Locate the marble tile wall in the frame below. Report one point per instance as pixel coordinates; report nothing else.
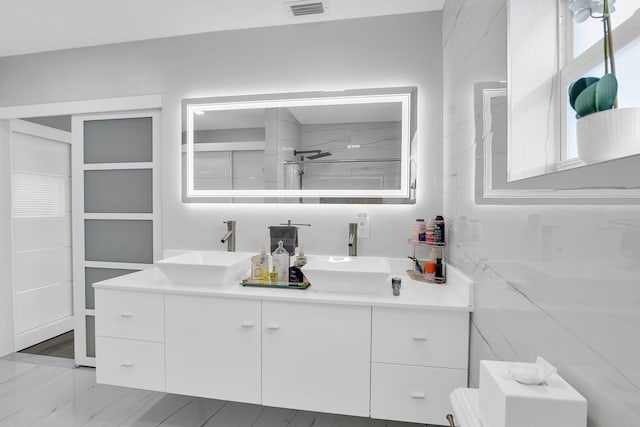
(353, 141)
(282, 137)
(558, 281)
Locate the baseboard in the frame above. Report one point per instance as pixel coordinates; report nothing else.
(43, 333)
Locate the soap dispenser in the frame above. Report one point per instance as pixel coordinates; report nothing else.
(281, 263)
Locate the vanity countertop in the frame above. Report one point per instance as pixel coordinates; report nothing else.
(456, 294)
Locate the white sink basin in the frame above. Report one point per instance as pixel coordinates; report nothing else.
(207, 268)
(351, 275)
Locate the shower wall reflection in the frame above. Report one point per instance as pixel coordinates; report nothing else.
(350, 156)
(285, 153)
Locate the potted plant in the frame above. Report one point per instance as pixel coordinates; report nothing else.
(603, 130)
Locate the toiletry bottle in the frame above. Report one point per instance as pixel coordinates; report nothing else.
(256, 267)
(439, 274)
(438, 230)
(418, 230)
(273, 276)
(264, 263)
(301, 260)
(265, 272)
(429, 233)
(281, 263)
(431, 262)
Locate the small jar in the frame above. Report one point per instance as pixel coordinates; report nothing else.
(396, 283)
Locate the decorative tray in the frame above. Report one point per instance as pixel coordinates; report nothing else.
(257, 283)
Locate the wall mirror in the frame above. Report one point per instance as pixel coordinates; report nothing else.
(603, 183)
(547, 50)
(354, 146)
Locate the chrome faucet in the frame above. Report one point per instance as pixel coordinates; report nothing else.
(353, 239)
(230, 236)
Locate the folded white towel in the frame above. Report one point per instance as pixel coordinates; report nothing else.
(533, 375)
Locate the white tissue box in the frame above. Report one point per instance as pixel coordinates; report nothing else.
(503, 402)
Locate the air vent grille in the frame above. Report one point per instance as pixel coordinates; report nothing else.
(307, 9)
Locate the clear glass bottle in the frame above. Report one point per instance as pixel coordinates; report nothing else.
(281, 263)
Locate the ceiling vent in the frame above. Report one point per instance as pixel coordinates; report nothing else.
(307, 8)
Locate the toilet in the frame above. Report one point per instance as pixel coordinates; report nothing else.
(501, 401)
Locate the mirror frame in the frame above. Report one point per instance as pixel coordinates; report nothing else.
(406, 96)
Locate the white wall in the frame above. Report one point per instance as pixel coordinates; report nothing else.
(559, 281)
(402, 50)
(6, 288)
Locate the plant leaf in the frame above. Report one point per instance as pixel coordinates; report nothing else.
(598, 96)
(606, 91)
(585, 101)
(577, 87)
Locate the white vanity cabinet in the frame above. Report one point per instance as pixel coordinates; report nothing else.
(130, 338)
(316, 357)
(213, 347)
(418, 358)
(382, 356)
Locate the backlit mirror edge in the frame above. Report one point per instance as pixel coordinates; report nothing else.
(405, 195)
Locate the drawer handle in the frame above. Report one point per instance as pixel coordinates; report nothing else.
(248, 324)
(450, 419)
(126, 314)
(418, 395)
(273, 326)
(419, 338)
(127, 364)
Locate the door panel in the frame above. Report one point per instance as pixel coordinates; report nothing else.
(116, 205)
(41, 218)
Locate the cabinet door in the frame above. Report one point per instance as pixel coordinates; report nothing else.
(316, 357)
(213, 347)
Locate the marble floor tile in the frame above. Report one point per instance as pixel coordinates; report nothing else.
(41, 391)
(37, 359)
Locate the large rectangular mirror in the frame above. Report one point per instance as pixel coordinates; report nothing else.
(321, 147)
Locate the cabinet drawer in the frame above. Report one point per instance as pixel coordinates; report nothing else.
(130, 363)
(418, 337)
(133, 315)
(413, 393)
